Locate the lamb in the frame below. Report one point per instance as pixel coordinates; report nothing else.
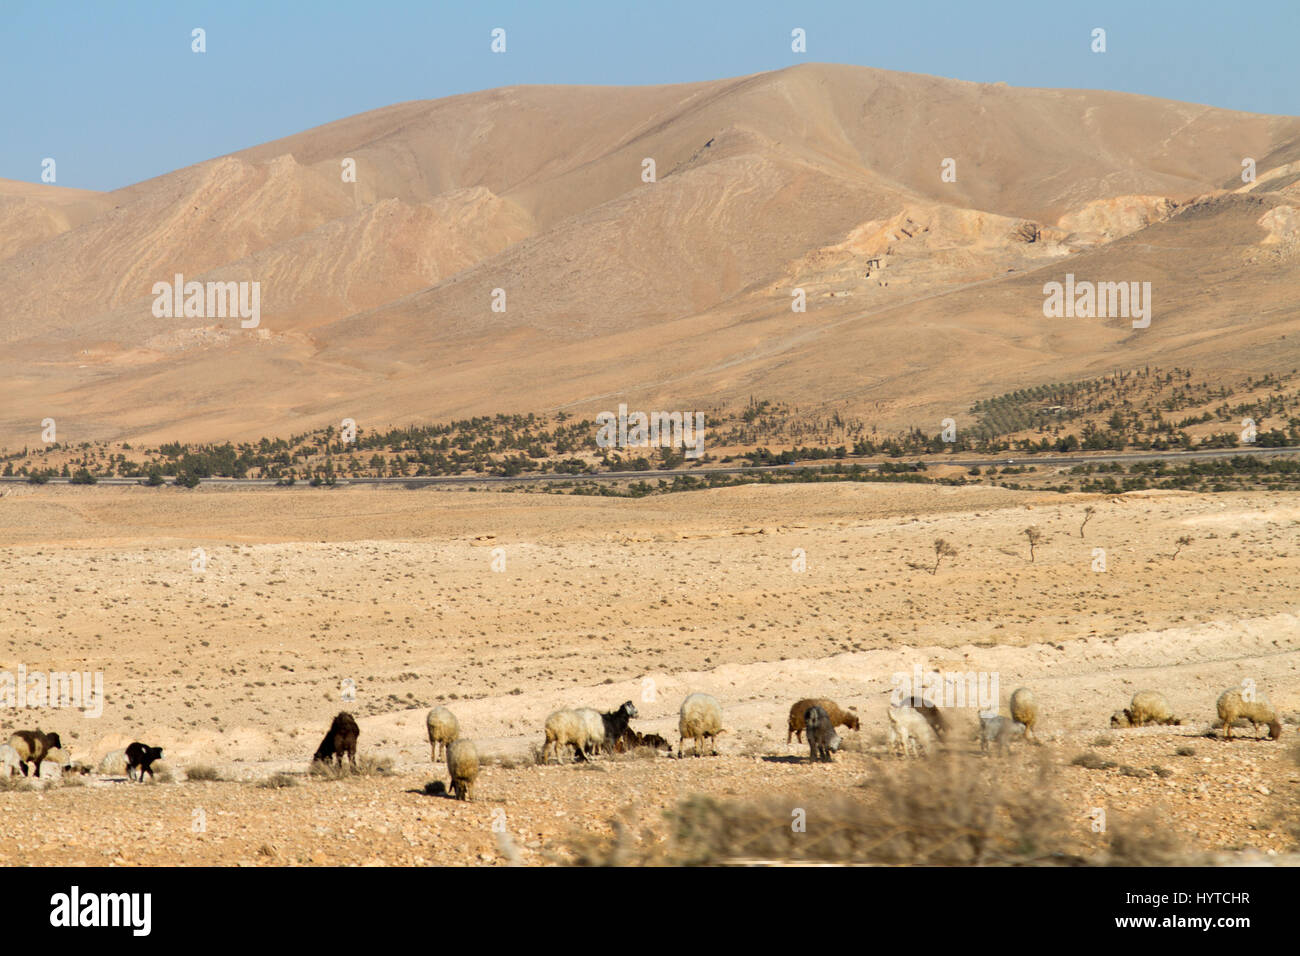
(462, 767)
(615, 724)
(340, 739)
(1233, 706)
(8, 761)
(999, 730)
(52, 768)
(1024, 710)
(32, 746)
(1147, 707)
(837, 714)
(822, 738)
(594, 726)
(700, 717)
(927, 709)
(564, 728)
(443, 729)
(909, 728)
(631, 740)
(141, 757)
(113, 764)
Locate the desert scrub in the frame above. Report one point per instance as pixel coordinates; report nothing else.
(278, 781)
(368, 765)
(202, 773)
(952, 810)
(1091, 761)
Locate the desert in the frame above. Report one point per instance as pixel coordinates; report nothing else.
(238, 668)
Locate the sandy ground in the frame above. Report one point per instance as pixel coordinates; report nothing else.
(240, 666)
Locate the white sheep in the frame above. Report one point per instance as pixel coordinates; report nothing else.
(594, 725)
(1233, 707)
(53, 766)
(8, 761)
(113, 764)
(462, 767)
(1024, 710)
(1147, 707)
(910, 729)
(443, 729)
(701, 716)
(999, 730)
(564, 728)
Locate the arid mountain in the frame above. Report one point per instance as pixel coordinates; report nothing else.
(923, 293)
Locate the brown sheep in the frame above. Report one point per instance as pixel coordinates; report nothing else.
(838, 715)
(32, 746)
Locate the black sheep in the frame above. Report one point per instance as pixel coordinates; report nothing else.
(339, 740)
(141, 756)
(616, 724)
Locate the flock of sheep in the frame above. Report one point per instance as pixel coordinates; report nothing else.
(916, 725)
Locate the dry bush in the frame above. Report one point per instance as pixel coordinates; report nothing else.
(951, 810)
(368, 765)
(278, 781)
(202, 772)
(1146, 840)
(15, 783)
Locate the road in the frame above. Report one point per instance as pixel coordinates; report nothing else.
(1038, 460)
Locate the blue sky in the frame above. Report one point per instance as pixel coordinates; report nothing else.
(112, 91)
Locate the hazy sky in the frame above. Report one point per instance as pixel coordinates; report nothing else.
(112, 91)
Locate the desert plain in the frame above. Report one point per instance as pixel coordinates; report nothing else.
(504, 606)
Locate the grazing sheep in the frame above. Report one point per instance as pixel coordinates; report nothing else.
(1024, 710)
(594, 726)
(1147, 707)
(443, 729)
(1233, 706)
(462, 767)
(998, 730)
(340, 739)
(9, 761)
(631, 740)
(933, 715)
(564, 728)
(615, 724)
(837, 714)
(700, 717)
(141, 757)
(113, 764)
(52, 768)
(910, 729)
(32, 746)
(822, 738)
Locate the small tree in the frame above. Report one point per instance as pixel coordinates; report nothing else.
(1035, 538)
(1181, 543)
(1088, 512)
(942, 549)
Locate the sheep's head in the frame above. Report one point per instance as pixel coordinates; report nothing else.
(1274, 729)
(629, 708)
(851, 721)
(1120, 719)
(52, 740)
